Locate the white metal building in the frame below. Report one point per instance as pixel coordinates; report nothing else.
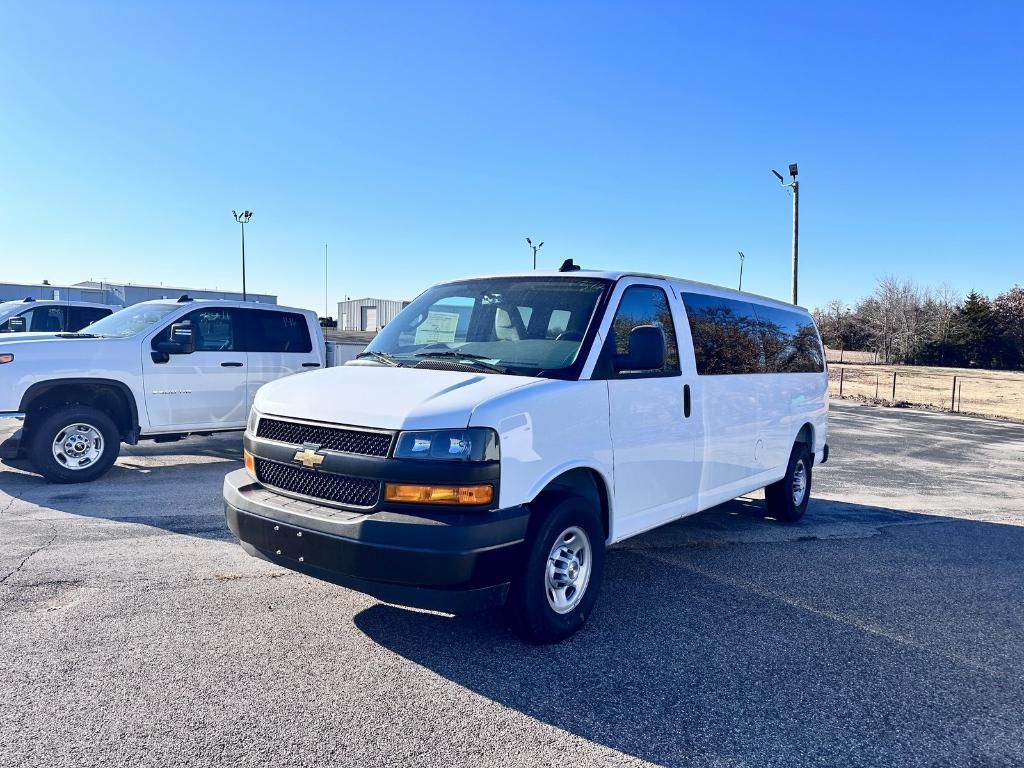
(121, 294)
(368, 314)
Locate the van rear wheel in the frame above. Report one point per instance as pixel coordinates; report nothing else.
(561, 573)
(74, 445)
(787, 499)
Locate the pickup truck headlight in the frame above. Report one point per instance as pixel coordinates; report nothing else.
(473, 444)
(254, 417)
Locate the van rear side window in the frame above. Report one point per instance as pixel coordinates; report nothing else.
(732, 336)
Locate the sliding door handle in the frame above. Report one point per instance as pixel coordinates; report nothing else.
(311, 365)
(231, 365)
(686, 401)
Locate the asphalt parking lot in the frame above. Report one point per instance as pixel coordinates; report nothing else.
(885, 629)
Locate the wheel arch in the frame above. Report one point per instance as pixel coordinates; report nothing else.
(582, 481)
(109, 395)
(805, 435)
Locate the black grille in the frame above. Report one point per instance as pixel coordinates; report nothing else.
(331, 438)
(356, 491)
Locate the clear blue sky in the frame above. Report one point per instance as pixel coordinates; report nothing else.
(424, 141)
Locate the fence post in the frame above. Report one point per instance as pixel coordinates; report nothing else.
(894, 386)
(840, 354)
(952, 401)
(960, 396)
(841, 370)
(876, 386)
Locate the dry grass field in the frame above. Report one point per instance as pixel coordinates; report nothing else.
(989, 393)
(849, 356)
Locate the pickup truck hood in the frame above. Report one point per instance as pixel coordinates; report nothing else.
(385, 397)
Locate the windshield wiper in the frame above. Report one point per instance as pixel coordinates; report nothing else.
(381, 357)
(77, 336)
(469, 358)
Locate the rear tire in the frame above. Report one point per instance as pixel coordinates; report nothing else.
(561, 573)
(76, 444)
(787, 499)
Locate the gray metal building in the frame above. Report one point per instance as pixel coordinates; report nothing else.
(123, 294)
(368, 314)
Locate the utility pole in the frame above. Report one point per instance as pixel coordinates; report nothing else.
(535, 248)
(243, 219)
(327, 301)
(742, 257)
(795, 186)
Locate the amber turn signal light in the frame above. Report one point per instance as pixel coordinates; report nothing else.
(439, 494)
(5, 358)
(250, 464)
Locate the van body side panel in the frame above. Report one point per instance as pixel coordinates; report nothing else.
(545, 430)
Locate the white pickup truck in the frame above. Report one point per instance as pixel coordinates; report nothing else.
(50, 315)
(157, 370)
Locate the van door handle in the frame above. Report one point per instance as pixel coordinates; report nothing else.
(686, 401)
(231, 365)
(311, 365)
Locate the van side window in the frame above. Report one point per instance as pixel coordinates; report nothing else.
(79, 317)
(791, 343)
(643, 305)
(726, 335)
(268, 331)
(214, 330)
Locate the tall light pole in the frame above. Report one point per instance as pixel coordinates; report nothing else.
(243, 219)
(795, 186)
(327, 301)
(742, 257)
(535, 248)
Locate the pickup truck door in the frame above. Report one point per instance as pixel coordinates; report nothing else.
(279, 344)
(654, 433)
(204, 389)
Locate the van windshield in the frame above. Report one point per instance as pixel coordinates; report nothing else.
(524, 325)
(130, 320)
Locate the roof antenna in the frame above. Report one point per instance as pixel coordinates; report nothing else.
(568, 266)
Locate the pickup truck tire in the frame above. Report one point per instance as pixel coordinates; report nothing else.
(561, 571)
(786, 500)
(76, 444)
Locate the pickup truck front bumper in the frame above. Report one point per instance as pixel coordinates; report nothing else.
(447, 561)
(11, 424)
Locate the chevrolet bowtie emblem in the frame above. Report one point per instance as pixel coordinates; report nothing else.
(308, 457)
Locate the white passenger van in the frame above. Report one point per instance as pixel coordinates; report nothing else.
(501, 431)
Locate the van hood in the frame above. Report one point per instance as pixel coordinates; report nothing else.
(386, 397)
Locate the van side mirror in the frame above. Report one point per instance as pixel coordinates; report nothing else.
(182, 340)
(17, 325)
(646, 350)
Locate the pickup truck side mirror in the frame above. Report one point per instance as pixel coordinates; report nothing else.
(182, 340)
(646, 350)
(16, 325)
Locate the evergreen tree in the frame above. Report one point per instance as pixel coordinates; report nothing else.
(974, 335)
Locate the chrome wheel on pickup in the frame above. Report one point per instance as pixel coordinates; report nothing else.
(73, 444)
(563, 563)
(78, 446)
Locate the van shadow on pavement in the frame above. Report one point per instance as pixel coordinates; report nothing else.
(862, 635)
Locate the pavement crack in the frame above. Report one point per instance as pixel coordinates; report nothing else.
(30, 555)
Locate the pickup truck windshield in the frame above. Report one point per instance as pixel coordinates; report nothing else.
(525, 325)
(130, 320)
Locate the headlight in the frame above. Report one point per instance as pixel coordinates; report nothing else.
(476, 444)
(254, 418)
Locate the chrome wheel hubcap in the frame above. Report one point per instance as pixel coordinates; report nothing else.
(78, 446)
(568, 570)
(799, 482)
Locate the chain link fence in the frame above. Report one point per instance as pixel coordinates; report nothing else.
(990, 393)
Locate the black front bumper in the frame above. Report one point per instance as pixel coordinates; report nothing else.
(447, 561)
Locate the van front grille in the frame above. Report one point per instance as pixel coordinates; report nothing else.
(341, 489)
(331, 438)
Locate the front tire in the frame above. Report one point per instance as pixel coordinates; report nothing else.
(787, 499)
(561, 573)
(74, 445)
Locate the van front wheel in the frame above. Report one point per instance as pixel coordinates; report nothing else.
(787, 499)
(562, 571)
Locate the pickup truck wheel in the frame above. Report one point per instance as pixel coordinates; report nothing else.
(74, 445)
(561, 574)
(787, 499)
